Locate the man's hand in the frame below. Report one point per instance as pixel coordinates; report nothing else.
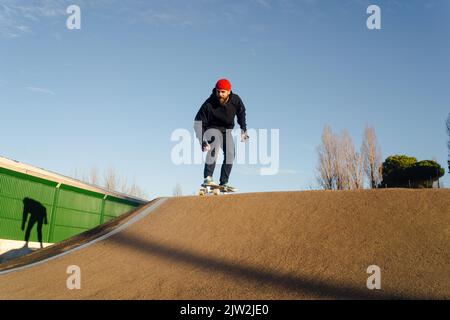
(244, 136)
(206, 146)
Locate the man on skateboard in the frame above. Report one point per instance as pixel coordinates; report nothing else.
(213, 125)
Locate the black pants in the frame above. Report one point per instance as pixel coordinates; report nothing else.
(219, 139)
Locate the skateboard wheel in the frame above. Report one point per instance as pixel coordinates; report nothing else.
(216, 191)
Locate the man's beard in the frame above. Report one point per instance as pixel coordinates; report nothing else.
(223, 101)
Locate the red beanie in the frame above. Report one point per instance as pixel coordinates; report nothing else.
(223, 84)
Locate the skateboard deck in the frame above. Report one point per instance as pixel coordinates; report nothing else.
(207, 189)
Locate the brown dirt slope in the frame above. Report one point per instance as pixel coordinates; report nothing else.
(283, 245)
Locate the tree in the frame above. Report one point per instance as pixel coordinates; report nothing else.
(352, 172)
(177, 191)
(340, 166)
(425, 173)
(111, 180)
(327, 154)
(448, 142)
(94, 176)
(135, 190)
(371, 154)
(394, 173)
(341, 145)
(404, 171)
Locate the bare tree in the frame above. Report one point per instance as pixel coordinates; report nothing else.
(344, 149)
(177, 191)
(327, 156)
(75, 174)
(352, 172)
(124, 186)
(80, 175)
(448, 142)
(111, 180)
(94, 176)
(371, 154)
(358, 178)
(135, 190)
(340, 166)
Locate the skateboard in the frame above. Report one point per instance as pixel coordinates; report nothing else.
(207, 189)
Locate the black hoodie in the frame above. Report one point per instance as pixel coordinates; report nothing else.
(213, 115)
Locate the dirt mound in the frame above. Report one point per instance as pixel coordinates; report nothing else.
(283, 245)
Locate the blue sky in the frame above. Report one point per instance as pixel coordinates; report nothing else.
(111, 94)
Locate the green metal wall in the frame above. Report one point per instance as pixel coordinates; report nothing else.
(70, 210)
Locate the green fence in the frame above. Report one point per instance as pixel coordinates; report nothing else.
(69, 210)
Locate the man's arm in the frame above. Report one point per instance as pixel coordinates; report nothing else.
(242, 121)
(241, 116)
(201, 122)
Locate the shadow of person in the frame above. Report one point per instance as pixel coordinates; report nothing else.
(38, 215)
(15, 253)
